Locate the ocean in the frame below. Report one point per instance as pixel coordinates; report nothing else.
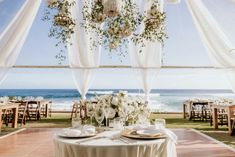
(164, 100)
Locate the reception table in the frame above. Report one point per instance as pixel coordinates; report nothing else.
(106, 146)
(230, 111)
(189, 104)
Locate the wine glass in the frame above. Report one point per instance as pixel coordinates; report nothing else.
(99, 116)
(160, 123)
(76, 122)
(106, 111)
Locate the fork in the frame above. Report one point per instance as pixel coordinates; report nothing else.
(90, 139)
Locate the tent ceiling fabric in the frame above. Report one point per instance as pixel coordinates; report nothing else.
(13, 37)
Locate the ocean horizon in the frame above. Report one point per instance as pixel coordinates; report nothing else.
(162, 100)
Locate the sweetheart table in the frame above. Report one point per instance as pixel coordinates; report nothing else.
(108, 146)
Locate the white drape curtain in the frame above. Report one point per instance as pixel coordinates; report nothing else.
(82, 59)
(148, 62)
(13, 37)
(220, 48)
(218, 45)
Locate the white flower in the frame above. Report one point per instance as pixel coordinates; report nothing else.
(130, 109)
(112, 113)
(121, 114)
(115, 101)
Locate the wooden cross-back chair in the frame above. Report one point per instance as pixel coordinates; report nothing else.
(22, 113)
(75, 110)
(233, 122)
(33, 110)
(222, 117)
(45, 108)
(6, 117)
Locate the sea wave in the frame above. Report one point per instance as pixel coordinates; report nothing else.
(99, 92)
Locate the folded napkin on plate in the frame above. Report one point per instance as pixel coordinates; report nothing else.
(71, 132)
(84, 130)
(145, 127)
(88, 130)
(165, 131)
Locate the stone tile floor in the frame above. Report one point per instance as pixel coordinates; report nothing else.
(37, 142)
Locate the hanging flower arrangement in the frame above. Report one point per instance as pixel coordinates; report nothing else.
(63, 25)
(114, 22)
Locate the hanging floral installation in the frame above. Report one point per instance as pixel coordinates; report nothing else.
(114, 22)
(117, 22)
(58, 11)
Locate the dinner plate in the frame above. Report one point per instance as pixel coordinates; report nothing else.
(130, 133)
(67, 134)
(149, 132)
(73, 136)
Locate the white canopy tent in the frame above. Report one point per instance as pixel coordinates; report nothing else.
(83, 64)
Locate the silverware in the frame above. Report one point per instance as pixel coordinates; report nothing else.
(89, 139)
(123, 139)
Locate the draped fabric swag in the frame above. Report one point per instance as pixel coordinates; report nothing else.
(14, 35)
(82, 59)
(220, 48)
(148, 62)
(218, 45)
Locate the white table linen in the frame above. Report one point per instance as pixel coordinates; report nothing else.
(106, 147)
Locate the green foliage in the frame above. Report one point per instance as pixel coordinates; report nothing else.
(58, 12)
(115, 31)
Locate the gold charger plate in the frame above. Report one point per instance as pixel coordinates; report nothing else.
(131, 133)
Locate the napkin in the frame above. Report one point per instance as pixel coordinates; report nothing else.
(145, 127)
(88, 130)
(168, 133)
(81, 131)
(71, 132)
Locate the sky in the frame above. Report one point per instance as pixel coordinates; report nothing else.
(182, 48)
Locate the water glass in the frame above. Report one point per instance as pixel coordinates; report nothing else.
(160, 123)
(76, 122)
(117, 124)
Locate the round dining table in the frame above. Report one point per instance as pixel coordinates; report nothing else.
(111, 144)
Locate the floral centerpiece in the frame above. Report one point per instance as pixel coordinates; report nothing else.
(120, 105)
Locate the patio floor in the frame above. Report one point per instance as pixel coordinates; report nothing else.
(38, 143)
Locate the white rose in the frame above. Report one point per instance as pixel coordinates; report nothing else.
(112, 113)
(115, 101)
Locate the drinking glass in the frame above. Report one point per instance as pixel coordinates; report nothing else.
(106, 111)
(76, 122)
(160, 123)
(99, 116)
(118, 123)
